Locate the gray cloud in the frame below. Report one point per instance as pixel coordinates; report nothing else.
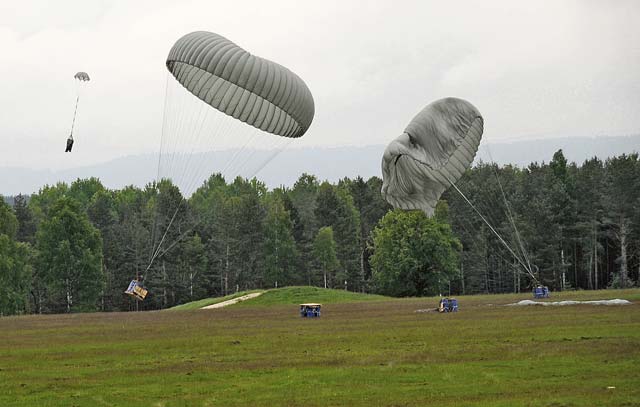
(532, 68)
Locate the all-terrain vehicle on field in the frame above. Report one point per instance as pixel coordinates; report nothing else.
(310, 310)
(541, 292)
(448, 305)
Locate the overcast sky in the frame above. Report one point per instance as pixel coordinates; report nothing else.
(533, 68)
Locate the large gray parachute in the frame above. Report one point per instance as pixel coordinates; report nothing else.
(436, 148)
(251, 89)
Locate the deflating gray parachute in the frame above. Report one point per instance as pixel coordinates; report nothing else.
(434, 151)
(254, 90)
(82, 76)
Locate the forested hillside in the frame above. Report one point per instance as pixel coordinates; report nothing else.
(76, 247)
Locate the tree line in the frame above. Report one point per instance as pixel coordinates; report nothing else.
(75, 247)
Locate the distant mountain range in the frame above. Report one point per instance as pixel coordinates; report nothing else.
(326, 163)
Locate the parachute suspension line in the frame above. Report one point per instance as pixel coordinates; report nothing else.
(476, 245)
(192, 178)
(159, 252)
(175, 113)
(176, 110)
(491, 217)
(168, 123)
(177, 131)
(493, 230)
(165, 118)
(205, 122)
(210, 124)
(74, 112)
(269, 158)
(172, 108)
(244, 132)
(495, 214)
(183, 157)
(510, 215)
(184, 160)
(155, 254)
(157, 249)
(227, 129)
(272, 156)
(235, 166)
(179, 239)
(489, 207)
(466, 220)
(237, 153)
(188, 175)
(183, 169)
(219, 126)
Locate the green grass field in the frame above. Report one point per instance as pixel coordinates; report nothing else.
(366, 351)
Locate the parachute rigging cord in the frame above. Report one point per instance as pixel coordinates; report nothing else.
(515, 256)
(510, 216)
(198, 141)
(80, 78)
(75, 111)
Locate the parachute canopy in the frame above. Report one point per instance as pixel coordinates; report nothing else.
(82, 76)
(436, 148)
(251, 89)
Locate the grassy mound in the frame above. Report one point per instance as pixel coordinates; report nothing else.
(299, 295)
(287, 295)
(210, 301)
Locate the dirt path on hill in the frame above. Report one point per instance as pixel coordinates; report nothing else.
(232, 301)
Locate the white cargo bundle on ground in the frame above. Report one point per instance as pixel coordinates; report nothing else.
(562, 303)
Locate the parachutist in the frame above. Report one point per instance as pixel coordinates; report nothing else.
(69, 144)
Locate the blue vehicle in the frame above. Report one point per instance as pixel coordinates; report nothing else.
(310, 310)
(448, 305)
(541, 292)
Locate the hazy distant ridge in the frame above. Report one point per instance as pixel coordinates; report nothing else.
(326, 163)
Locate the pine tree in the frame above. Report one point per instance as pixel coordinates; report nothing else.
(324, 253)
(26, 224)
(15, 276)
(70, 258)
(280, 254)
(623, 195)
